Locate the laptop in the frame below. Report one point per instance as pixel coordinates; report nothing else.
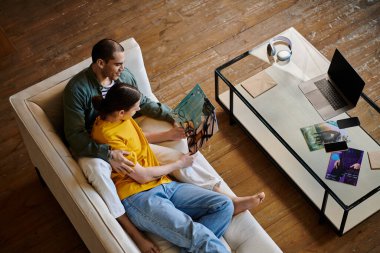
(336, 91)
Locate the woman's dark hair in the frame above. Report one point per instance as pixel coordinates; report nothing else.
(105, 49)
(121, 96)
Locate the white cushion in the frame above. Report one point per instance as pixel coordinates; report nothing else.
(152, 125)
(135, 63)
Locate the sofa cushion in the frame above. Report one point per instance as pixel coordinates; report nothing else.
(152, 125)
(135, 64)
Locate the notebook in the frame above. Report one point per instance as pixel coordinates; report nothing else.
(374, 159)
(336, 91)
(258, 84)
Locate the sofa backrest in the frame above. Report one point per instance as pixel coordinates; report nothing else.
(51, 103)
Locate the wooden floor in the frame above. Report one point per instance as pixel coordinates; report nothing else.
(182, 43)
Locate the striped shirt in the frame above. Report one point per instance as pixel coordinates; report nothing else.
(105, 89)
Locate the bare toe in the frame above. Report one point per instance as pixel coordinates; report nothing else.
(261, 196)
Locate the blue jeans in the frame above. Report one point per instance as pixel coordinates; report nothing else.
(188, 216)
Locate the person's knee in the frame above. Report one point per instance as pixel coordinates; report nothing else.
(229, 209)
(204, 240)
(95, 168)
(225, 205)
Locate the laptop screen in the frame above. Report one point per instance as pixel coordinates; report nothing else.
(345, 78)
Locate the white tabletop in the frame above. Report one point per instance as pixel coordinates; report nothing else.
(287, 110)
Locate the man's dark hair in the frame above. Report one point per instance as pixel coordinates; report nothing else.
(105, 49)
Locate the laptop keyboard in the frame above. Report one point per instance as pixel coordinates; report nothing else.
(330, 93)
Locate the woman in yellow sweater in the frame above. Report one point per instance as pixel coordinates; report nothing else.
(189, 216)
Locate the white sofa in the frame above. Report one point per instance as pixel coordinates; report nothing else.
(38, 111)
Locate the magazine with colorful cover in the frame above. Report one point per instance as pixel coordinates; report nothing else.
(319, 134)
(197, 116)
(344, 166)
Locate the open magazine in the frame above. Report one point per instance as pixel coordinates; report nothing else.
(319, 134)
(197, 116)
(344, 166)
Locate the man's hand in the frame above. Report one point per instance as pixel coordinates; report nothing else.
(119, 163)
(176, 133)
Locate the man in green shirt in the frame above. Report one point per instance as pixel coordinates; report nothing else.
(97, 160)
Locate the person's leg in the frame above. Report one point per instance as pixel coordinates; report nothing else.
(153, 211)
(242, 204)
(200, 174)
(98, 173)
(212, 209)
(142, 242)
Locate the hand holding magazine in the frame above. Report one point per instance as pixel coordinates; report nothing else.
(197, 116)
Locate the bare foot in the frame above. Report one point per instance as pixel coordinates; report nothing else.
(249, 202)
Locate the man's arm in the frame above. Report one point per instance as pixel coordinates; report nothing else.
(155, 110)
(79, 140)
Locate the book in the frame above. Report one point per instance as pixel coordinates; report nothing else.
(319, 134)
(374, 159)
(344, 166)
(258, 84)
(197, 116)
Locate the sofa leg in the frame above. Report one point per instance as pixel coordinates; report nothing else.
(42, 181)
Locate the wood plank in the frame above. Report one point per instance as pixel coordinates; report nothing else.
(6, 46)
(182, 43)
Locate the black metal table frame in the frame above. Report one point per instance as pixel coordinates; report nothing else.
(233, 119)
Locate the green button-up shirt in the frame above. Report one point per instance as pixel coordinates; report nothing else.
(79, 113)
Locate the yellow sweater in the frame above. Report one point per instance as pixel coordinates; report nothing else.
(127, 135)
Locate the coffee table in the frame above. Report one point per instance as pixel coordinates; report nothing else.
(274, 119)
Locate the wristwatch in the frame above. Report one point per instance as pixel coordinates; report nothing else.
(109, 155)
